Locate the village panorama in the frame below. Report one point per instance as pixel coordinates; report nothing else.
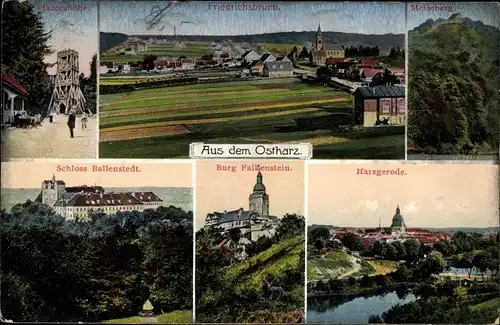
(164, 86)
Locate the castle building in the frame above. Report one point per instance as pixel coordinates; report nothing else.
(256, 219)
(80, 202)
(398, 224)
(322, 51)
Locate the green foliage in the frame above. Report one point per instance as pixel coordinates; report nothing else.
(58, 270)
(229, 290)
(24, 46)
(453, 95)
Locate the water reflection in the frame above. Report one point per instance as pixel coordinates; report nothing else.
(355, 309)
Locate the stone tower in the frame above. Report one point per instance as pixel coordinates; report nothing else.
(398, 223)
(259, 200)
(51, 189)
(319, 39)
(67, 93)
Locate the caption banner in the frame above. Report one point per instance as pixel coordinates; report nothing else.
(245, 151)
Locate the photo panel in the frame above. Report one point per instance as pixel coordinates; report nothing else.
(97, 242)
(453, 87)
(180, 72)
(403, 243)
(49, 79)
(250, 242)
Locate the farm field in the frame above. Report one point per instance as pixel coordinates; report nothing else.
(191, 49)
(162, 122)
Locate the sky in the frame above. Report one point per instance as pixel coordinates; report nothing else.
(75, 29)
(32, 174)
(206, 18)
(487, 12)
(223, 190)
(429, 195)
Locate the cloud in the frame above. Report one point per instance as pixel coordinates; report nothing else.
(410, 208)
(327, 13)
(368, 206)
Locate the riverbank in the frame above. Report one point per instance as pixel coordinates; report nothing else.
(365, 291)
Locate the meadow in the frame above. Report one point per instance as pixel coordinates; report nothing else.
(162, 122)
(191, 49)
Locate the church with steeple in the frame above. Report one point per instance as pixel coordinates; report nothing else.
(398, 226)
(322, 51)
(255, 219)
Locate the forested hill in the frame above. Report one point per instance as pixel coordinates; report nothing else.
(384, 41)
(454, 88)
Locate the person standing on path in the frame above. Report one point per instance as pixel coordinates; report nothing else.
(71, 122)
(84, 121)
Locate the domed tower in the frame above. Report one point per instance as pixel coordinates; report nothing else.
(319, 39)
(398, 223)
(259, 200)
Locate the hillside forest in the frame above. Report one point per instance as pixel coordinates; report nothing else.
(57, 270)
(454, 88)
(265, 287)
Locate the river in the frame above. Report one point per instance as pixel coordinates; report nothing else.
(356, 311)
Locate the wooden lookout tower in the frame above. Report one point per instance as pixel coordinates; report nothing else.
(67, 93)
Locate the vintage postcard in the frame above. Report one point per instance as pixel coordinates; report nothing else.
(49, 79)
(453, 89)
(177, 72)
(403, 243)
(97, 242)
(250, 242)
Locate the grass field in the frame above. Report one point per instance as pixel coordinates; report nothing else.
(191, 49)
(139, 124)
(273, 263)
(174, 317)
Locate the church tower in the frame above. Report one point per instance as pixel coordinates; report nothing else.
(259, 200)
(398, 223)
(50, 191)
(319, 39)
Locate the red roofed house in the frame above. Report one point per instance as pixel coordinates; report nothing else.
(332, 61)
(369, 74)
(370, 63)
(14, 96)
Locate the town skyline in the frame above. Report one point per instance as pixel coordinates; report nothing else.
(219, 191)
(447, 201)
(193, 18)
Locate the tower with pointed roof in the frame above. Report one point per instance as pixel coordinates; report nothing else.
(319, 39)
(258, 201)
(398, 224)
(51, 189)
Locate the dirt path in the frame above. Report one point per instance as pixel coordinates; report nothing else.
(51, 140)
(149, 320)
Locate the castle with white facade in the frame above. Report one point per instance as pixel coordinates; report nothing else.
(80, 202)
(256, 219)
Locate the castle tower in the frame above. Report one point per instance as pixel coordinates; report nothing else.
(259, 200)
(51, 189)
(319, 39)
(67, 93)
(398, 224)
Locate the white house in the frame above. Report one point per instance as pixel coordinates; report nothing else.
(250, 56)
(14, 96)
